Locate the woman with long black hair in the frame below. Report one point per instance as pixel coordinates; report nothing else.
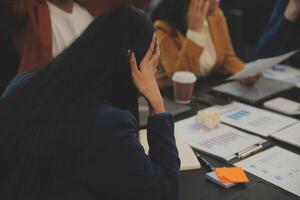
(69, 130)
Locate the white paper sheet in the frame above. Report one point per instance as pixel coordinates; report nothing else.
(276, 165)
(222, 141)
(187, 157)
(284, 73)
(290, 107)
(261, 65)
(290, 135)
(255, 120)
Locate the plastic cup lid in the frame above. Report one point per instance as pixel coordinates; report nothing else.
(184, 77)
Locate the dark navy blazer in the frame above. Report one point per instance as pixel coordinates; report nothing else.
(280, 36)
(114, 165)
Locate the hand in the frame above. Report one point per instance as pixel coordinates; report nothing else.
(144, 78)
(249, 81)
(293, 10)
(198, 11)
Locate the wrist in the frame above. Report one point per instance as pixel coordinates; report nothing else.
(196, 29)
(291, 17)
(196, 26)
(157, 106)
(291, 14)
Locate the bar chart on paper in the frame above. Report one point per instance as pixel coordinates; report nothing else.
(239, 115)
(276, 165)
(222, 141)
(260, 122)
(252, 119)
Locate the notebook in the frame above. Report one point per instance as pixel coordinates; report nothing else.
(188, 159)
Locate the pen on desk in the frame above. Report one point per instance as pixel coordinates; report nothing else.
(204, 162)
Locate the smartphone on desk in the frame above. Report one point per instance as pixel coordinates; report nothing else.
(213, 100)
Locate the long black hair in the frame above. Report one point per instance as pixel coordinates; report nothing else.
(45, 123)
(173, 12)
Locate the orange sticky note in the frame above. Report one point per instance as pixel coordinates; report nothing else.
(231, 175)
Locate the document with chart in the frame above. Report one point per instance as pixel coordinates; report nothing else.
(261, 65)
(223, 141)
(290, 135)
(255, 120)
(284, 73)
(276, 165)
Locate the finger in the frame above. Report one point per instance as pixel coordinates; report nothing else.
(192, 6)
(156, 51)
(133, 64)
(199, 7)
(155, 58)
(151, 48)
(205, 8)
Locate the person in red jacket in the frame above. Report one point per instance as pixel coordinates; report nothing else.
(41, 29)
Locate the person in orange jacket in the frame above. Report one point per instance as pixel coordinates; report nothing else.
(41, 29)
(194, 36)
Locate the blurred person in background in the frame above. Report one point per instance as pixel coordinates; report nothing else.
(193, 36)
(283, 32)
(41, 29)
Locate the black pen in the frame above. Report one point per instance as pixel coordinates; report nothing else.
(204, 162)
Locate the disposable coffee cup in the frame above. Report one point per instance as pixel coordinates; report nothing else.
(183, 83)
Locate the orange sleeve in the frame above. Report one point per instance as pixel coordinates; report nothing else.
(232, 63)
(13, 13)
(175, 58)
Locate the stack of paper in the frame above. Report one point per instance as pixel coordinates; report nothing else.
(284, 73)
(290, 135)
(188, 159)
(253, 119)
(214, 178)
(261, 65)
(231, 175)
(276, 165)
(223, 141)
